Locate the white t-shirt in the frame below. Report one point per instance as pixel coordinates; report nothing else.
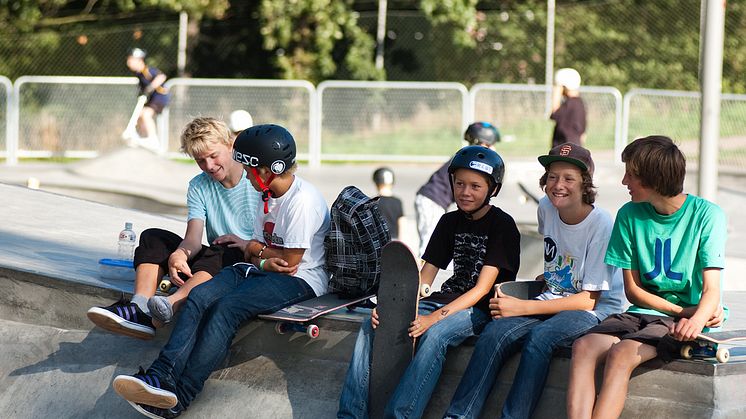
(224, 211)
(299, 219)
(574, 258)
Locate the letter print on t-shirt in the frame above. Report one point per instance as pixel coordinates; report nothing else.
(559, 270)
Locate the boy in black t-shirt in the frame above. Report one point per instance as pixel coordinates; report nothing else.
(484, 244)
(389, 205)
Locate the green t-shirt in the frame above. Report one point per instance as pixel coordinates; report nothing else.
(669, 251)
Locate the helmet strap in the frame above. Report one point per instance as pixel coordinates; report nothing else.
(266, 192)
(470, 214)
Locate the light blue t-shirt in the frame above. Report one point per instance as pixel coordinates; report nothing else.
(224, 211)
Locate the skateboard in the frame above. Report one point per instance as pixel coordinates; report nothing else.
(297, 317)
(398, 296)
(708, 345)
(524, 290)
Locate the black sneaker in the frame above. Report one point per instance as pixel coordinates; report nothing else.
(157, 413)
(145, 389)
(124, 318)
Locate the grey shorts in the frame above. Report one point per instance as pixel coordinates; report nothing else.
(645, 328)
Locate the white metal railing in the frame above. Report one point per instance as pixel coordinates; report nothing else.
(68, 116)
(7, 112)
(389, 121)
(290, 103)
(519, 110)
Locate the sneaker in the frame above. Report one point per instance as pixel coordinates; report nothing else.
(156, 412)
(145, 389)
(160, 309)
(124, 318)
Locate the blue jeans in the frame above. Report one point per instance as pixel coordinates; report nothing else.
(539, 336)
(210, 317)
(421, 376)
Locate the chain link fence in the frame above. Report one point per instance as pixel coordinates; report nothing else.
(6, 87)
(72, 116)
(522, 115)
(285, 102)
(415, 121)
(649, 112)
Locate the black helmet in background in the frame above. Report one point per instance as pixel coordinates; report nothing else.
(482, 160)
(480, 133)
(265, 145)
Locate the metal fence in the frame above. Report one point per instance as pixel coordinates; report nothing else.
(676, 114)
(6, 89)
(521, 112)
(290, 103)
(389, 121)
(69, 116)
(51, 116)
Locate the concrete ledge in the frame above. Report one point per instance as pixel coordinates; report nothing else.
(54, 364)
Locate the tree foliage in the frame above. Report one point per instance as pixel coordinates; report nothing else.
(317, 40)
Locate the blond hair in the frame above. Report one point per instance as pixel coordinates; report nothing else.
(203, 131)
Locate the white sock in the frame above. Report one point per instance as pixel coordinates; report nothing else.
(142, 302)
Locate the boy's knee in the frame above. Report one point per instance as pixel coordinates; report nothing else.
(583, 347)
(622, 356)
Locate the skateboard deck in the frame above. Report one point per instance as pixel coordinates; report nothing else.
(393, 348)
(524, 290)
(708, 345)
(297, 316)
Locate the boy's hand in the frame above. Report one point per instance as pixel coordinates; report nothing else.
(374, 318)
(505, 306)
(687, 329)
(177, 262)
(231, 240)
(280, 266)
(420, 325)
(717, 319)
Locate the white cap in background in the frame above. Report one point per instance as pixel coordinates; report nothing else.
(240, 120)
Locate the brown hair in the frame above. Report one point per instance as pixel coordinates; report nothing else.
(202, 131)
(657, 162)
(587, 187)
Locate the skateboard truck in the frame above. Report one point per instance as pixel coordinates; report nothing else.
(311, 330)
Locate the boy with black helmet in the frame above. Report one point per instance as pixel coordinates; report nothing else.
(150, 84)
(285, 265)
(434, 197)
(390, 206)
(484, 244)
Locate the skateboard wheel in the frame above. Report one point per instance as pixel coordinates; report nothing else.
(722, 355)
(425, 290)
(280, 328)
(686, 352)
(313, 331)
(164, 286)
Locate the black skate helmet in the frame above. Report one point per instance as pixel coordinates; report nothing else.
(483, 160)
(383, 176)
(482, 133)
(267, 145)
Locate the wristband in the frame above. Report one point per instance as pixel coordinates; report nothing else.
(259, 255)
(261, 264)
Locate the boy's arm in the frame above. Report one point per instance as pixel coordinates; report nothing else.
(282, 260)
(505, 306)
(486, 280)
(178, 261)
(641, 297)
(689, 328)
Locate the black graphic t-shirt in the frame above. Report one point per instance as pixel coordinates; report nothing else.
(492, 240)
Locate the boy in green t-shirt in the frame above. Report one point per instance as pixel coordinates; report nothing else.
(671, 248)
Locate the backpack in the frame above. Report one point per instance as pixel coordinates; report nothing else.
(354, 243)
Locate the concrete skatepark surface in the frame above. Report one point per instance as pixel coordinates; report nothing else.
(53, 363)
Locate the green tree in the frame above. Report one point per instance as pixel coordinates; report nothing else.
(317, 40)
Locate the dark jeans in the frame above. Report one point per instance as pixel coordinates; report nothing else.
(209, 319)
(156, 245)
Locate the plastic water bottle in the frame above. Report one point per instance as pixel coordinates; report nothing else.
(127, 243)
